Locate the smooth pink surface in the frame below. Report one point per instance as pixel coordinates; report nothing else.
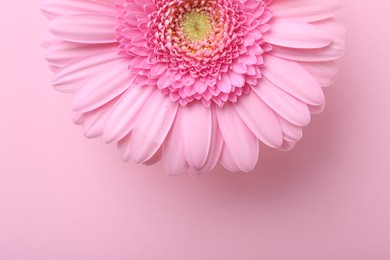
(65, 197)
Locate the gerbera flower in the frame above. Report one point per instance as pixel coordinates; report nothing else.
(194, 82)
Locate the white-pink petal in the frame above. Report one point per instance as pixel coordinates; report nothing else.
(215, 148)
(85, 28)
(60, 53)
(104, 86)
(260, 119)
(73, 75)
(239, 140)
(305, 10)
(283, 103)
(227, 161)
(324, 72)
(196, 130)
(95, 121)
(125, 113)
(152, 127)
(54, 8)
(294, 79)
(173, 158)
(296, 35)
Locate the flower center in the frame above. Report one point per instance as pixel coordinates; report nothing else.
(196, 26)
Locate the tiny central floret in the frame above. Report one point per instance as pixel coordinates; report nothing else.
(196, 26)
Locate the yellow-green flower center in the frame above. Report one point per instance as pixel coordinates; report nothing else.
(196, 26)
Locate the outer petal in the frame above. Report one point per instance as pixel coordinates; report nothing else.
(124, 148)
(54, 8)
(239, 140)
(328, 53)
(173, 156)
(282, 103)
(85, 28)
(305, 10)
(324, 72)
(71, 77)
(95, 120)
(297, 35)
(125, 113)
(103, 87)
(227, 161)
(293, 79)
(60, 53)
(152, 127)
(215, 148)
(196, 128)
(260, 119)
(291, 132)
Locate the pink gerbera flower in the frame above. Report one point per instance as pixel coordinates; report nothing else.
(194, 82)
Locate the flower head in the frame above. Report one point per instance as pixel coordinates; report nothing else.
(194, 82)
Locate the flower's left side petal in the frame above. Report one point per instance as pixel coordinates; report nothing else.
(126, 111)
(85, 28)
(103, 87)
(54, 8)
(72, 76)
(152, 127)
(95, 120)
(59, 53)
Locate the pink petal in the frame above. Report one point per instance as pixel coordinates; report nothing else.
(297, 35)
(196, 130)
(54, 8)
(305, 10)
(331, 52)
(125, 113)
(236, 80)
(294, 79)
(85, 28)
(227, 161)
(103, 87)
(173, 160)
(282, 103)
(224, 84)
(260, 119)
(287, 146)
(291, 132)
(95, 120)
(152, 127)
(71, 77)
(124, 148)
(239, 140)
(215, 148)
(60, 53)
(324, 72)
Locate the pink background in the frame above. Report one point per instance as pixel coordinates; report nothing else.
(65, 197)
